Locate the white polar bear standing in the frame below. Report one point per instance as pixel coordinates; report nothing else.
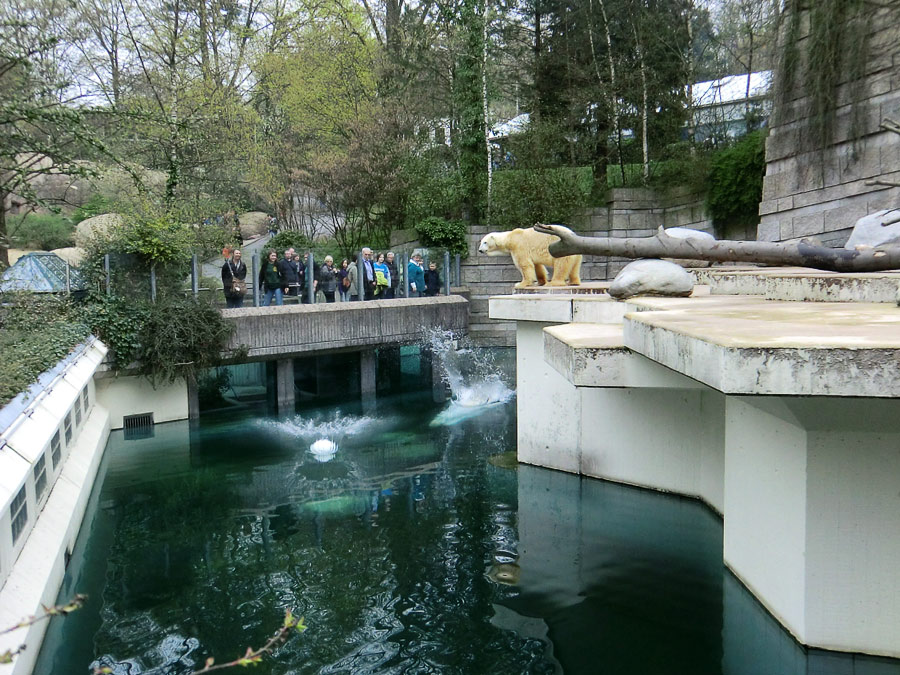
(529, 251)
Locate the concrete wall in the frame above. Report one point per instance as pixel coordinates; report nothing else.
(808, 192)
(129, 395)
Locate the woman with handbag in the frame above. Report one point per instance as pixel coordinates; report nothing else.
(234, 285)
(344, 280)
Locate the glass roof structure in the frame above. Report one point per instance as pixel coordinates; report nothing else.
(41, 272)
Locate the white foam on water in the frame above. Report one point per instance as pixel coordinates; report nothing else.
(340, 426)
(473, 377)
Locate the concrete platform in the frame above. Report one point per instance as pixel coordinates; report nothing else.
(800, 284)
(783, 417)
(774, 348)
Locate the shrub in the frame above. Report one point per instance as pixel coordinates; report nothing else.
(287, 239)
(435, 232)
(35, 333)
(735, 182)
(523, 197)
(95, 206)
(43, 231)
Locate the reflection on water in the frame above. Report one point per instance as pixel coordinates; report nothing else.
(408, 552)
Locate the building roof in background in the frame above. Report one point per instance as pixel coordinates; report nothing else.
(40, 273)
(511, 127)
(731, 89)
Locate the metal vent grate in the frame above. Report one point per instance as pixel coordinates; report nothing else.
(138, 426)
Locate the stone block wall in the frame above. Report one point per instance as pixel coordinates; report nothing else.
(629, 212)
(814, 193)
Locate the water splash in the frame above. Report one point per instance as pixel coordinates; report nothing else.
(314, 428)
(472, 375)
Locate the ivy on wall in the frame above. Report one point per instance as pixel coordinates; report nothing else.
(735, 182)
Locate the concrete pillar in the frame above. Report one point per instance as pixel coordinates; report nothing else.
(368, 369)
(812, 514)
(284, 385)
(440, 389)
(548, 407)
(193, 398)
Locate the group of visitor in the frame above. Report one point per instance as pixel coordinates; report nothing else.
(286, 276)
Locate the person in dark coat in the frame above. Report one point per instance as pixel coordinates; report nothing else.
(271, 280)
(432, 280)
(289, 273)
(328, 279)
(234, 268)
(391, 291)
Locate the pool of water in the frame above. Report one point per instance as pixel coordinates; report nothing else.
(416, 546)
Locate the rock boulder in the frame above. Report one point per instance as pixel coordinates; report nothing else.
(651, 277)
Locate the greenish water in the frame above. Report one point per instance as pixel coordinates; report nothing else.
(415, 549)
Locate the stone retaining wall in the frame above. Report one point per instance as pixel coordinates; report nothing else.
(822, 194)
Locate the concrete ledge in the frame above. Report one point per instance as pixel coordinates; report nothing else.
(822, 287)
(590, 355)
(587, 355)
(38, 573)
(776, 348)
(539, 308)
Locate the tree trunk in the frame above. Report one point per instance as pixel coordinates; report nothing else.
(800, 254)
(484, 111)
(4, 240)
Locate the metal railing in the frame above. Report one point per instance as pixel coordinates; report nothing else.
(449, 270)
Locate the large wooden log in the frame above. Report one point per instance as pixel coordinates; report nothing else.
(799, 254)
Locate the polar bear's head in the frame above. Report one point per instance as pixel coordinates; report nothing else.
(492, 244)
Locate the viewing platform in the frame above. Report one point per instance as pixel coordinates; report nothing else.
(782, 415)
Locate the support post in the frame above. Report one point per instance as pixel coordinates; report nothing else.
(284, 385)
(153, 283)
(195, 277)
(311, 279)
(368, 367)
(254, 264)
(68, 278)
(404, 261)
(193, 397)
(361, 275)
(446, 272)
(106, 272)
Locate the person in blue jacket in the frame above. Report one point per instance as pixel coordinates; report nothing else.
(416, 276)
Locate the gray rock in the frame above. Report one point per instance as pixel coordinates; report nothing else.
(651, 277)
(869, 230)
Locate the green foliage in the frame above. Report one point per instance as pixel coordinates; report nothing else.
(42, 231)
(180, 338)
(735, 181)
(160, 240)
(287, 239)
(95, 206)
(171, 338)
(435, 232)
(523, 197)
(35, 333)
(119, 322)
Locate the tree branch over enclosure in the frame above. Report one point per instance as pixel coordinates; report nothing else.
(800, 254)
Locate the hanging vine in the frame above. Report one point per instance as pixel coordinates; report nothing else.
(831, 53)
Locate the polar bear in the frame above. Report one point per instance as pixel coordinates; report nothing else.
(529, 253)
